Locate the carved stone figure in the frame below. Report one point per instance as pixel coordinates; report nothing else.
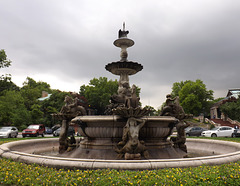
(72, 107)
(123, 92)
(132, 147)
(180, 140)
(123, 33)
(173, 108)
(119, 100)
(70, 110)
(63, 139)
(72, 144)
(133, 101)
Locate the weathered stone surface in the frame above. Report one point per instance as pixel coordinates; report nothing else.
(9, 150)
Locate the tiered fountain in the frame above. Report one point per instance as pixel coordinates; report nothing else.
(126, 138)
(127, 132)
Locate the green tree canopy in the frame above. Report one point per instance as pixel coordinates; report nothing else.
(32, 90)
(4, 62)
(7, 84)
(5, 81)
(52, 105)
(232, 109)
(194, 96)
(98, 93)
(153, 112)
(13, 110)
(21, 107)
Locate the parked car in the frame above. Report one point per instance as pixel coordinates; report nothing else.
(55, 127)
(223, 131)
(236, 133)
(71, 132)
(34, 130)
(48, 130)
(194, 131)
(8, 132)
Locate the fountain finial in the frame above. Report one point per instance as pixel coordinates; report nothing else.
(123, 33)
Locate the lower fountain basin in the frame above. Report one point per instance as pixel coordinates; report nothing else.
(102, 134)
(26, 151)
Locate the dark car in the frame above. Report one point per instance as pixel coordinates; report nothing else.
(48, 130)
(236, 133)
(71, 131)
(55, 127)
(194, 131)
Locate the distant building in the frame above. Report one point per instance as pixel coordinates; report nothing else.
(45, 95)
(232, 95)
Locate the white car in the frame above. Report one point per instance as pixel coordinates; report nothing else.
(8, 132)
(223, 131)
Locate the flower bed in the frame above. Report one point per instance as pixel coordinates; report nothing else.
(16, 173)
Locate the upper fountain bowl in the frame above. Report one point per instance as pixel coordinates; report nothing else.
(127, 67)
(124, 41)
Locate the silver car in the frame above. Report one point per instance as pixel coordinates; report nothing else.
(223, 131)
(8, 132)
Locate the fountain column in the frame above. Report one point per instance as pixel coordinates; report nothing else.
(123, 67)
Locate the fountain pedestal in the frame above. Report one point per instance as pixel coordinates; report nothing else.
(102, 134)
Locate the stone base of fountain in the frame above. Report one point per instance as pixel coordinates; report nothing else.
(103, 133)
(213, 152)
(105, 149)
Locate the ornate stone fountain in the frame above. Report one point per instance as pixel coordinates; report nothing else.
(127, 132)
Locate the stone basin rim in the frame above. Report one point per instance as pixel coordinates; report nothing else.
(63, 162)
(117, 117)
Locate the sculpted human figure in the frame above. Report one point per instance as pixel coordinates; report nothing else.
(63, 139)
(70, 110)
(173, 108)
(169, 108)
(119, 100)
(72, 107)
(180, 140)
(132, 147)
(66, 108)
(133, 101)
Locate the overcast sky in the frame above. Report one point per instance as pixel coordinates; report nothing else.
(67, 43)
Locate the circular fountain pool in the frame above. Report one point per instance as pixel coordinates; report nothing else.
(28, 151)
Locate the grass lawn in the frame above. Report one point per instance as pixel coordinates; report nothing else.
(15, 173)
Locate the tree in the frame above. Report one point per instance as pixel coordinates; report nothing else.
(194, 96)
(7, 84)
(36, 114)
(32, 90)
(5, 81)
(13, 110)
(153, 112)
(52, 105)
(232, 109)
(177, 86)
(4, 62)
(98, 93)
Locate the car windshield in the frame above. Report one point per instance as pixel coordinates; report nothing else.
(215, 128)
(33, 127)
(4, 129)
(189, 128)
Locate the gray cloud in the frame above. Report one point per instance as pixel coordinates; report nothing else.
(70, 42)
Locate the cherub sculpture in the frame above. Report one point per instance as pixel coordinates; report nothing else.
(72, 107)
(132, 147)
(173, 108)
(180, 140)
